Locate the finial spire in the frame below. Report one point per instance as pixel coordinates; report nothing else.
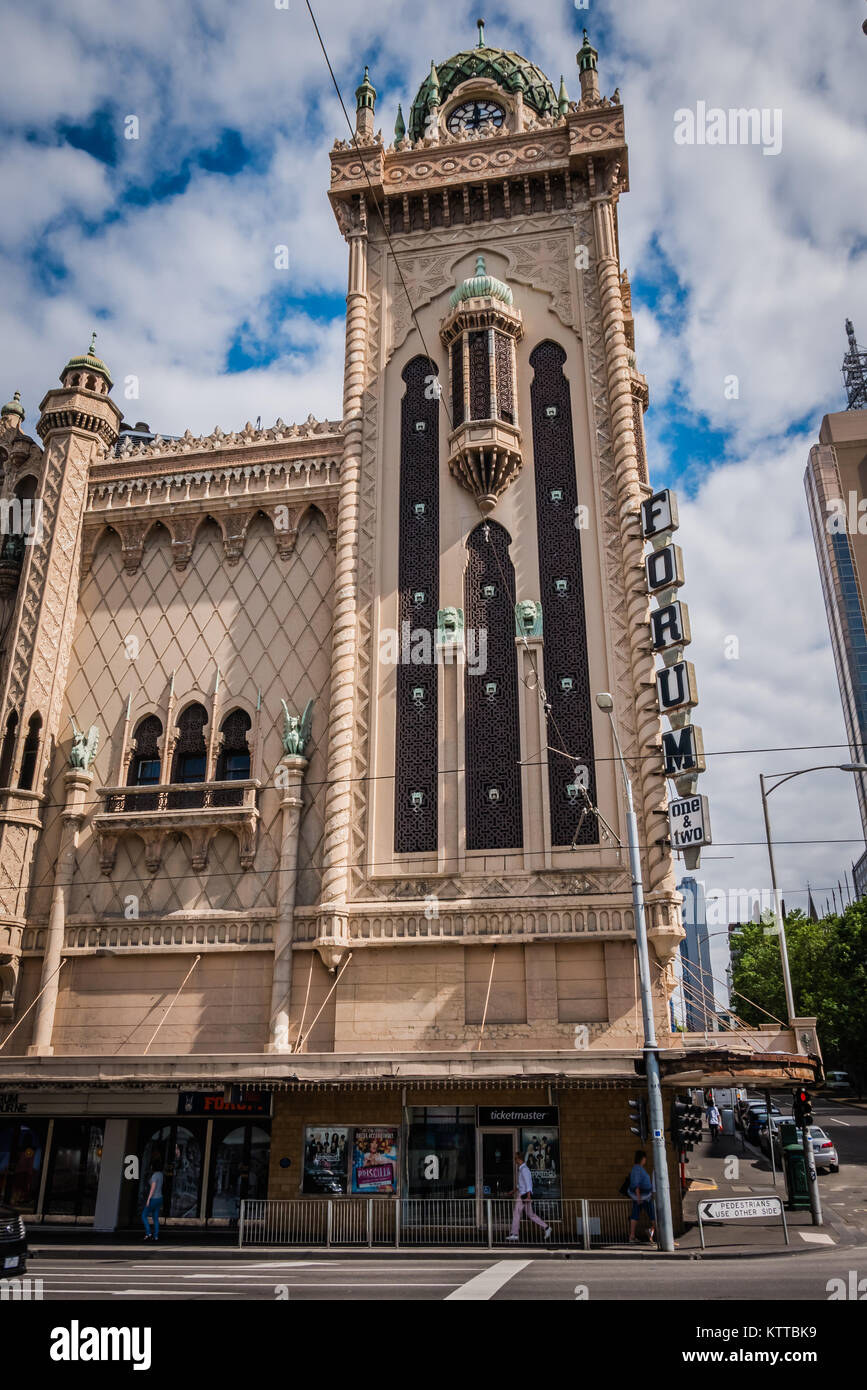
(481, 24)
(400, 124)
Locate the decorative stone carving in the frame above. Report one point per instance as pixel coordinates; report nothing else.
(84, 746)
(295, 735)
(528, 618)
(450, 627)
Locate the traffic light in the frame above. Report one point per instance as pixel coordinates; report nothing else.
(802, 1106)
(638, 1116)
(685, 1125)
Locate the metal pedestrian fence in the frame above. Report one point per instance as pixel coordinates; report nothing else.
(582, 1223)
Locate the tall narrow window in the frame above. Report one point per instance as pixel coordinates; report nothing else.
(7, 752)
(493, 738)
(567, 677)
(31, 752)
(415, 783)
(145, 764)
(191, 755)
(233, 762)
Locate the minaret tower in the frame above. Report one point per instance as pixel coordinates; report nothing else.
(75, 422)
(493, 473)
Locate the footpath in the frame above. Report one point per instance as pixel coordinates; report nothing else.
(731, 1168)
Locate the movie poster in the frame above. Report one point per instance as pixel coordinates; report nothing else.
(374, 1159)
(541, 1149)
(325, 1159)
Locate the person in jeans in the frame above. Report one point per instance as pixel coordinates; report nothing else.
(714, 1121)
(641, 1192)
(523, 1195)
(152, 1206)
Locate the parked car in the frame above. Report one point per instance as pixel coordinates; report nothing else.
(838, 1083)
(770, 1132)
(824, 1148)
(13, 1242)
(755, 1116)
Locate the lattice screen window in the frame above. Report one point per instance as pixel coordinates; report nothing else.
(480, 375)
(415, 785)
(493, 738)
(505, 387)
(190, 761)
(458, 382)
(567, 676)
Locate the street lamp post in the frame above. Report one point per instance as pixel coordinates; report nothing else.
(651, 1051)
(780, 917)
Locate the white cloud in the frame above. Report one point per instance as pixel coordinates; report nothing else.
(766, 251)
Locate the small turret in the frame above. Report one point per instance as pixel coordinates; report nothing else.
(13, 408)
(587, 57)
(365, 107)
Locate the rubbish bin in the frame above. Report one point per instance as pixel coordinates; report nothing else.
(797, 1187)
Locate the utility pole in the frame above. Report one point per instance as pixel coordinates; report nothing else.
(651, 1050)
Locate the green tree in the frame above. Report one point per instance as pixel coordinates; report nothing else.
(828, 963)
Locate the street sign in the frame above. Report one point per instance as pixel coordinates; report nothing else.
(739, 1209)
(736, 1208)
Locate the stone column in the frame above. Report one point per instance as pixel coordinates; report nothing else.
(287, 880)
(78, 783)
(648, 776)
(333, 935)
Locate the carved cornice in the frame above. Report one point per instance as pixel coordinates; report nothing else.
(546, 143)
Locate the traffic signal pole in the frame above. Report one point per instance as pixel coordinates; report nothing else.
(651, 1052)
(802, 1111)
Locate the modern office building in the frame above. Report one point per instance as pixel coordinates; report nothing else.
(836, 485)
(697, 983)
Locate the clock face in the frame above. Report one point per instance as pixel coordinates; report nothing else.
(474, 115)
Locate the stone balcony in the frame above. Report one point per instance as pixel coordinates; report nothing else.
(485, 458)
(198, 811)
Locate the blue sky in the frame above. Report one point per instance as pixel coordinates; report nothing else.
(741, 264)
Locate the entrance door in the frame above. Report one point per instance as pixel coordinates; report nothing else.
(497, 1162)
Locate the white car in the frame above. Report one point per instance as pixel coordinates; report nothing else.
(838, 1082)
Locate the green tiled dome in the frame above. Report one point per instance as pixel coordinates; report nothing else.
(480, 285)
(89, 362)
(509, 70)
(14, 407)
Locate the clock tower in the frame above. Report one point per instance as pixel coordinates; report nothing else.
(490, 575)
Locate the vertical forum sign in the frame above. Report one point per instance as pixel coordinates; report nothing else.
(682, 747)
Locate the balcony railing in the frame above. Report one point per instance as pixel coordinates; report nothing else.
(197, 809)
(198, 796)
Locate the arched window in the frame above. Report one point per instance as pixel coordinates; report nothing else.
(145, 765)
(31, 752)
(7, 752)
(191, 751)
(493, 735)
(233, 764)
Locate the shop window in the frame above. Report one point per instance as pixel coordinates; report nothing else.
(22, 1148)
(73, 1176)
(441, 1151)
(239, 1167)
(31, 753)
(178, 1149)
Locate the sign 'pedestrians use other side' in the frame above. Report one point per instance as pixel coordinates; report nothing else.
(739, 1208)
